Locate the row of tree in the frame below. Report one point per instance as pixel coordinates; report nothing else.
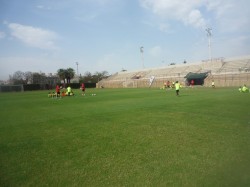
(65, 75)
(28, 77)
(93, 78)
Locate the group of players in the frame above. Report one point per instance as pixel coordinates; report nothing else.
(177, 85)
(67, 92)
(243, 89)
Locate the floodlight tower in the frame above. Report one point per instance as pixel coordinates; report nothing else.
(209, 35)
(77, 68)
(142, 57)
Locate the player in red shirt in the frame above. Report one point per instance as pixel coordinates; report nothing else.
(83, 89)
(168, 84)
(192, 83)
(58, 91)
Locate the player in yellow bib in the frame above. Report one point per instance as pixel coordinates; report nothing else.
(244, 89)
(177, 87)
(69, 90)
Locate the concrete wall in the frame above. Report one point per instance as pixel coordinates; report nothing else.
(228, 80)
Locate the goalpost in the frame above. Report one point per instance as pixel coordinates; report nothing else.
(11, 88)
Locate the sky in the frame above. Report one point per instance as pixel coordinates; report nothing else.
(107, 35)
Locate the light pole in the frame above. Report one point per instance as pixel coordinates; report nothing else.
(209, 35)
(77, 68)
(142, 58)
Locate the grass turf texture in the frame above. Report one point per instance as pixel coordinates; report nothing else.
(126, 137)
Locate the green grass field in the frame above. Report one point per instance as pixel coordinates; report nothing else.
(126, 137)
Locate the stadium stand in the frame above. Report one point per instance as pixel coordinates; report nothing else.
(225, 72)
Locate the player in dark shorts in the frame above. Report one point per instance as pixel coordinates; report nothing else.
(83, 89)
(58, 93)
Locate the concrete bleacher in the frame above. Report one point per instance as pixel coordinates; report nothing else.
(123, 75)
(217, 68)
(159, 72)
(236, 66)
(173, 71)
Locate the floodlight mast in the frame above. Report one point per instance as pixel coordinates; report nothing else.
(142, 57)
(209, 35)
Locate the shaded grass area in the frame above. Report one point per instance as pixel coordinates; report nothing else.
(126, 137)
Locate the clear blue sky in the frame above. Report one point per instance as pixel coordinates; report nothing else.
(46, 35)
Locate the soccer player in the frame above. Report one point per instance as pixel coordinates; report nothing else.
(83, 89)
(68, 90)
(192, 83)
(58, 93)
(177, 88)
(173, 84)
(213, 85)
(168, 84)
(245, 89)
(240, 89)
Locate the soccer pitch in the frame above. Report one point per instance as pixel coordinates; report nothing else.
(126, 137)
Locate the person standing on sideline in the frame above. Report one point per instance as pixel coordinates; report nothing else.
(213, 85)
(83, 89)
(177, 88)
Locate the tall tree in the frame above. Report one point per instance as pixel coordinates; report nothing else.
(28, 77)
(99, 76)
(61, 74)
(39, 78)
(96, 77)
(70, 73)
(87, 77)
(18, 78)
